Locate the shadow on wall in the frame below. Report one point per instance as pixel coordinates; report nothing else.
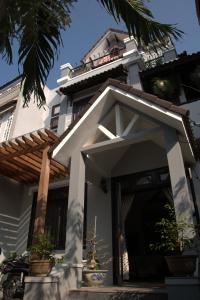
(23, 230)
(8, 233)
(10, 203)
(68, 277)
(182, 203)
(73, 240)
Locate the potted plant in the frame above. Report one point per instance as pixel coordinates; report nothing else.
(176, 242)
(41, 258)
(93, 275)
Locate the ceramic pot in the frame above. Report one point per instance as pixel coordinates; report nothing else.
(181, 265)
(40, 267)
(94, 277)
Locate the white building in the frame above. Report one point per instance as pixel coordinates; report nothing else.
(128, 153)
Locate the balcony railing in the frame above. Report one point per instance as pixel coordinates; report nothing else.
(149, 64)
(102, 60)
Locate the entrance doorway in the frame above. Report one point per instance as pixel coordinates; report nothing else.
(138, 201)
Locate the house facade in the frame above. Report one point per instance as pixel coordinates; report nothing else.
(111, 150)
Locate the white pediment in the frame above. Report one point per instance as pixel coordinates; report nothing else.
(117, 119)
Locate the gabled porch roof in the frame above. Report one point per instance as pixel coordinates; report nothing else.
(112, 92)
(21, 158)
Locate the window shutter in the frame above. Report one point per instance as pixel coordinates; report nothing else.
(8, 127)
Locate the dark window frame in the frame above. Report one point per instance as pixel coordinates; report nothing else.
(54, 117)
(61, 243)
(53, 114)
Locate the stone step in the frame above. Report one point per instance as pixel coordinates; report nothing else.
(118, 294)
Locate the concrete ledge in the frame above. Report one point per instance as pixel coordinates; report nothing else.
(47, 279)
(43, 288)
(182, 281)
(183, 288)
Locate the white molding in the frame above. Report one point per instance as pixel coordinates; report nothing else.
(106, 132)
(130, 125)
(88, 112)
(146, 103)
(122, 141)
(118, 120)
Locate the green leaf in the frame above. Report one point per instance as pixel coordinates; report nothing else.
(140, 22)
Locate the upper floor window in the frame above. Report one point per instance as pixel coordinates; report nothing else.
(8, 127)
(55, 117)
(79, 106)
(6, 119)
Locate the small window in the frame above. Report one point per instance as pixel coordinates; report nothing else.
(55, 117)
(79, 106)
(164, 176)
(144, 180)
(55, 110)
(54, 123)
(8, 128)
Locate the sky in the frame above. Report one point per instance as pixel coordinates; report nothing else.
(90, 21)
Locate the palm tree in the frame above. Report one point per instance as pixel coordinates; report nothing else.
(37, 27)
(197, 2)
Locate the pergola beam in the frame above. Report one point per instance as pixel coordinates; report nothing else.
(23, 152)
(23, 157)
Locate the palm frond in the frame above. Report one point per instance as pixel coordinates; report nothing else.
(40, 28)
(197, 2)
(37, 26)
(140, 22)
(9, 19)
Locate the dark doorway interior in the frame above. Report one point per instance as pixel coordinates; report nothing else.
(146, 210)
(138, 202)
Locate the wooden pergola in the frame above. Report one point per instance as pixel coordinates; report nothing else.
(26, 159)
(21, 158)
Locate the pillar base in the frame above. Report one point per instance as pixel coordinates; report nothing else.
(43, 288)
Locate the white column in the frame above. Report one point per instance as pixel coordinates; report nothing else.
(75, 217)
(181, 194)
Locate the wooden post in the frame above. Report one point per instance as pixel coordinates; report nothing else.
(41, 205)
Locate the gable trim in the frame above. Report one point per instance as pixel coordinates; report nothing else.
(78, 124)
(112, 84)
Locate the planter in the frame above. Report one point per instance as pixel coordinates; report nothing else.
(181, 265)
(40, 267)
(94, 277)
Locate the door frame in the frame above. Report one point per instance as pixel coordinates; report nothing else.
(117, 217)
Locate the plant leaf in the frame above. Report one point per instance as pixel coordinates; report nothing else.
(140, 22)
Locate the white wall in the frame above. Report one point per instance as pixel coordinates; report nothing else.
(31, 118)
(134, 77)
(24, 219)
(28, 119)
(10, 198)
(99, 204)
